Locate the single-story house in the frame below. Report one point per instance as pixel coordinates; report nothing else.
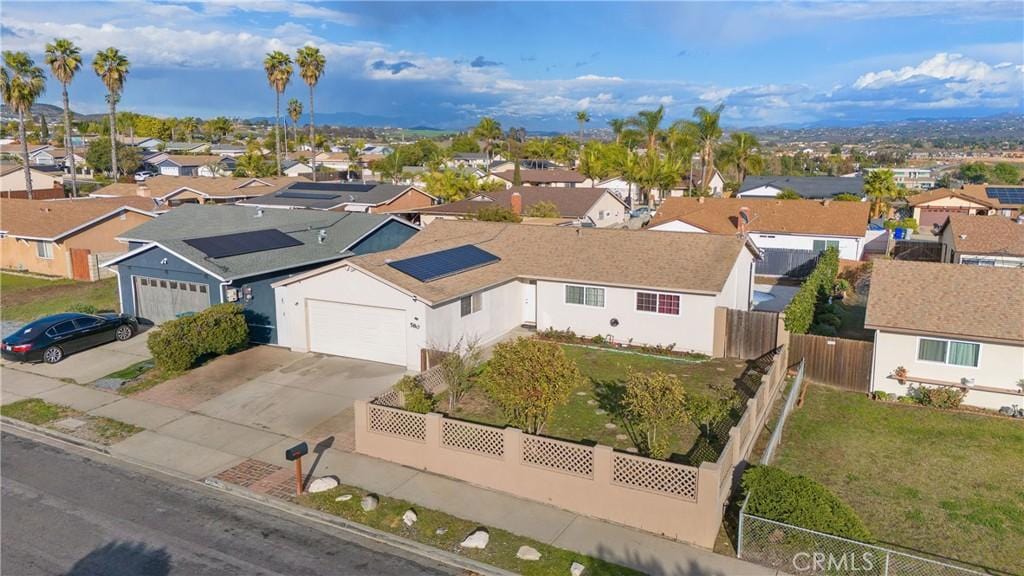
(948, 325)
(294, 168)
(66, 237)
(334, 161)
(471, 280)
(809, 187)
(789, 232)
(196, 256)
(591, 206)
(716, 184)
(558, 177)
(208, 166)
(931, 208)
(38, 154)
(474, 159)
(983, 241)
(232, 150)
(499, 164)
(619, 186)
(186, 147)
(174, 190)
(45, 185)
(141, 142)
(370, 197)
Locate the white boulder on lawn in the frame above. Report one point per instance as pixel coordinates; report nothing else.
(528, 553)
(409, 518)
(369, 502)
(322, 484)
(478, 540)
(576, 569)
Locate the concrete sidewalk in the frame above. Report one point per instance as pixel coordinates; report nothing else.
(199, 446)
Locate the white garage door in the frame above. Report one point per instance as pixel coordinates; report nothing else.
(355, 331)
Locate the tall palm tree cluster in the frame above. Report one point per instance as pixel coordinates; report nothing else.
(22, 83)
(279, 67)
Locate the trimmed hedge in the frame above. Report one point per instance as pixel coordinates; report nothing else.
(778, 495)
(178, 344)
(813, 295)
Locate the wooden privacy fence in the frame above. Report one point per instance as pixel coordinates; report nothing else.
(838, 362)
(675, 500)
(750, 335)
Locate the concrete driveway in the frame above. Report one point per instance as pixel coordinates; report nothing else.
(90, 365)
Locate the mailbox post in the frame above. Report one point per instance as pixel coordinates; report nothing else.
(295, 454)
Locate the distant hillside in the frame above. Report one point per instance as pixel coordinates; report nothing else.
(53, 113)
(1003, 127)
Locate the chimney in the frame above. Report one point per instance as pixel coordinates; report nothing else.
(700, 199)
(743, 219)
(142, 190)
(517, 203)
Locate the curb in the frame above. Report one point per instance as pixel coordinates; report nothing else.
(367, 532)
(379, 536)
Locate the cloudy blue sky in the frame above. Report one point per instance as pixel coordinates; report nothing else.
(536, 63)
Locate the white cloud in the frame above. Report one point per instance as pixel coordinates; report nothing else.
(660, 100)
(596, 78)
(942, 66)
(293, 9)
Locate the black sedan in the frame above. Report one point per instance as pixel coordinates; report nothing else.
(51, 338)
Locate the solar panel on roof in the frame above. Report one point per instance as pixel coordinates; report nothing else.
(436, 265)
(307, 195)
(1006, 195)
(242, 243)
(331, 187)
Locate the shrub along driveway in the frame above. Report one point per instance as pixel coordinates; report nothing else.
(940, 482)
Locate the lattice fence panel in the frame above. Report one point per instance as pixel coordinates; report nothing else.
(392, 398)
(655, 476)
(557, 455)
(473, 438)
(433, 380)
(397, 422)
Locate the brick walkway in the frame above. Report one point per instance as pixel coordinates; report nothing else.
(262, 478)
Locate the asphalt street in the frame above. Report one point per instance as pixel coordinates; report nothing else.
(74, 513)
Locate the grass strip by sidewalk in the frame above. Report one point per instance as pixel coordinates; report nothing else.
(99, 429)
(500, 551)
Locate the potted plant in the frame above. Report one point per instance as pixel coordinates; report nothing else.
(901, 374)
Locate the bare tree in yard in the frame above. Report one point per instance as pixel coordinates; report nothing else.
(653, 403)
(459, 363)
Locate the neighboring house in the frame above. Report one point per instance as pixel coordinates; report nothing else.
(983, 241)
(716, 185)
(559, 178)
(499, 164)
(141, 142)
(338, 161)
(196, 256)
(231, 150)
(474, 159)
(208, 166)
(775, 226)
(349, 197)
(64, 237)
(185, 147)
(45, 185)
(174, 190)
(948, 325)
(931, 208)
(809, 187)
(590, 206)
(911, 178)
(619, 186)
(38, 154)
(461, 280)
(294, 168)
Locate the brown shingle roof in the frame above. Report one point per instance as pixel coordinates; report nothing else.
(543, 176)
(55, 218)
(720, 215)
(193, 159)
(16, 148)
(570, 202)
(973, 194)
(700, 263)
(986, 235)
(954, 300)
(226, 187)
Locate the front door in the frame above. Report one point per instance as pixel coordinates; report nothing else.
(530, 303)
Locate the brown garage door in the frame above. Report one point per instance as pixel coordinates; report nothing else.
(931, 216)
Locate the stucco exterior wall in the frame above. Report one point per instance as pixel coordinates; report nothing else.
(16, 254)
(15, 181)
(501, 311)
(1000, 366)
(849, 248)
(738, 292)
(614, 211)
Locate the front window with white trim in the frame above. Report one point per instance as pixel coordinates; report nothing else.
(471, 304)
(951, 352)
(657, 303)
(584, 295)
(44, 250)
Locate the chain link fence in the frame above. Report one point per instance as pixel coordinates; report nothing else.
(800, 552)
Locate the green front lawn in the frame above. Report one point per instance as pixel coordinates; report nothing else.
(940, 482)
(593, 413)
(24, 298)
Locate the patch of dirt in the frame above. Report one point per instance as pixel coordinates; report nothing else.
(19, 297)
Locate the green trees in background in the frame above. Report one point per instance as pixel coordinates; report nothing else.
(21, 83)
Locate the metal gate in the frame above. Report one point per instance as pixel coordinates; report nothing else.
(159, 300)
(786, 262)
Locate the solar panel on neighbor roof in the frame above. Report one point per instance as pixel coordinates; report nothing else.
(430, 267)
(242, 243)
(1006, 195)
(307, 195)
(331, 187)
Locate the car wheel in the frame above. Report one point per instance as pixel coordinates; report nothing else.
(123, 332)
(53, 354)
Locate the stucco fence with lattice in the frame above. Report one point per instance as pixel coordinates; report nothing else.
(677, 501)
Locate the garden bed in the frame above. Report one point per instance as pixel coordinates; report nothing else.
(98, 429)
(594, 411)
(602, 343)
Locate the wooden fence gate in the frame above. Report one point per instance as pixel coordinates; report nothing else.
(80, 266)
(750, 335)
(839, 362)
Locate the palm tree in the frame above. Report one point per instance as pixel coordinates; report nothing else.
(708, 133)
(582, 118)
(488, 130)
(21, 82)
(278, 67)
(189, 124)
(739, 152)
(649, 124)
(112, 67)
(617, 125)
(294, 112)
(311, 66)
(64, 60)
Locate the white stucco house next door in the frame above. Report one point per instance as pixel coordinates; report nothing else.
(469, 280)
